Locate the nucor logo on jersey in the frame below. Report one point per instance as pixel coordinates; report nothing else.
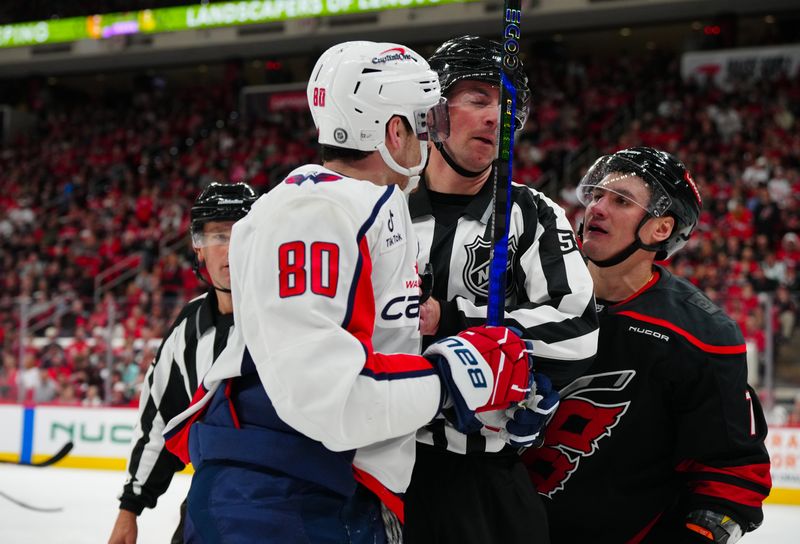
(395, 53)
(648, 332)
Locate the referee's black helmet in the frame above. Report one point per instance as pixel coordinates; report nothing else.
(473, 57)
(221, 202)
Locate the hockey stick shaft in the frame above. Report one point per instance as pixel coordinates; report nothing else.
(30, 506)
(55, 458)
(502, 172)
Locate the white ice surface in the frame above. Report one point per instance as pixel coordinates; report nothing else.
(88, 498)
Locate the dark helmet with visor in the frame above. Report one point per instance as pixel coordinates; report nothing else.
(219, 202)
(669, 191)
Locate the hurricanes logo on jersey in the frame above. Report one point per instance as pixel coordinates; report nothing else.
(476, 269)
(576, 430)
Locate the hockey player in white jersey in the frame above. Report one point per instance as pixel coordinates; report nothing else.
(303, 431)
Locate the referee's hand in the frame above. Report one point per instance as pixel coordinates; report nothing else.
(429, 314)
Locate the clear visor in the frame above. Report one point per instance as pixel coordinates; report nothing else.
(433, 124)
(623, 178)
(208, 239)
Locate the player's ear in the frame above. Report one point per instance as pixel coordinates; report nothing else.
(663, 228)
(199, 252)
(396, 132)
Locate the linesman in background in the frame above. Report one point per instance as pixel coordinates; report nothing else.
(473, 488)
(194, 341)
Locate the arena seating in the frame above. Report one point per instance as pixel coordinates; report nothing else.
(109, 186)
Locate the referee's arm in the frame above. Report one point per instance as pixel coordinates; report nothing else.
(164, 395)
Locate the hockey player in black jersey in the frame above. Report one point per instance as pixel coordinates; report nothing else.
(662, 440)
(194, 341)
(473, 488)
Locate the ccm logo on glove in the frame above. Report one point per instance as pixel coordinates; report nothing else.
(467, 358)
(481, 368)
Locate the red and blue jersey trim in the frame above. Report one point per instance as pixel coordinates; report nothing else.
(177, 439)
(393, 501)
(360, 316)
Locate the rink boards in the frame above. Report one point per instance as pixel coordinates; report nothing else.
(102, 439)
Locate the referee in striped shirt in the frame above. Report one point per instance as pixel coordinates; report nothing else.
(473, 488)
(194, 341)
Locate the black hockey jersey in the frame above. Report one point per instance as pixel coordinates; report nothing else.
(663, 423)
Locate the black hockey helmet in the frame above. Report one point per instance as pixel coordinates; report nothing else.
(217, 202)
(221, 202)
(473, 57)
(672, 191)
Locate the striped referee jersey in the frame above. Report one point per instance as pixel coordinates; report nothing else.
(193, 343)
(549, 294)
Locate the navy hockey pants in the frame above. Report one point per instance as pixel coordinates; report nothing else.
(237, 503)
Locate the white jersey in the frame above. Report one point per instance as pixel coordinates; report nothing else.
(326, 297)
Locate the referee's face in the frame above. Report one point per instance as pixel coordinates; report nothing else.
(474, 111)
(214, 254)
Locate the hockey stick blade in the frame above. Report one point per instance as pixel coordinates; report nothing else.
(58, 456)
(30, 506)
(502, 172)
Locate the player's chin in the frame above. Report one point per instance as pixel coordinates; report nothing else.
(595, 250)
(481, 162)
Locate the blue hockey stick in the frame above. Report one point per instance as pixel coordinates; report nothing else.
(498, 253)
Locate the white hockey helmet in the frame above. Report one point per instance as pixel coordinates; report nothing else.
(356, 87)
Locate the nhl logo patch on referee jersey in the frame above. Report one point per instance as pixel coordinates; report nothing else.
(476, 269)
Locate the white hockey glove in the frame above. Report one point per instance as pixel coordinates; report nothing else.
(482, 369)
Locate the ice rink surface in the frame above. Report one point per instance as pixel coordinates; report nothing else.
(88, 499)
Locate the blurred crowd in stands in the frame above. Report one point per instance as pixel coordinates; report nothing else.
(107, 186)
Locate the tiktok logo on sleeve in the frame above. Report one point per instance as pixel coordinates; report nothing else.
(395, 237)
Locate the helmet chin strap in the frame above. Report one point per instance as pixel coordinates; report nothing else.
(413, 181)
(625, 253)
(412, 171)
(196, 269)
(461, 171)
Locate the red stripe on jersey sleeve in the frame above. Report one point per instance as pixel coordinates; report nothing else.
(721, 350)
(396, 366)
(177, 441)
(729, 492)
(362, 326)
(758, 473)
(393, 501)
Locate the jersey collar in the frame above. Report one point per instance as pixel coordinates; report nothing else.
(419, 203)
(208, 315)
(657, 273)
